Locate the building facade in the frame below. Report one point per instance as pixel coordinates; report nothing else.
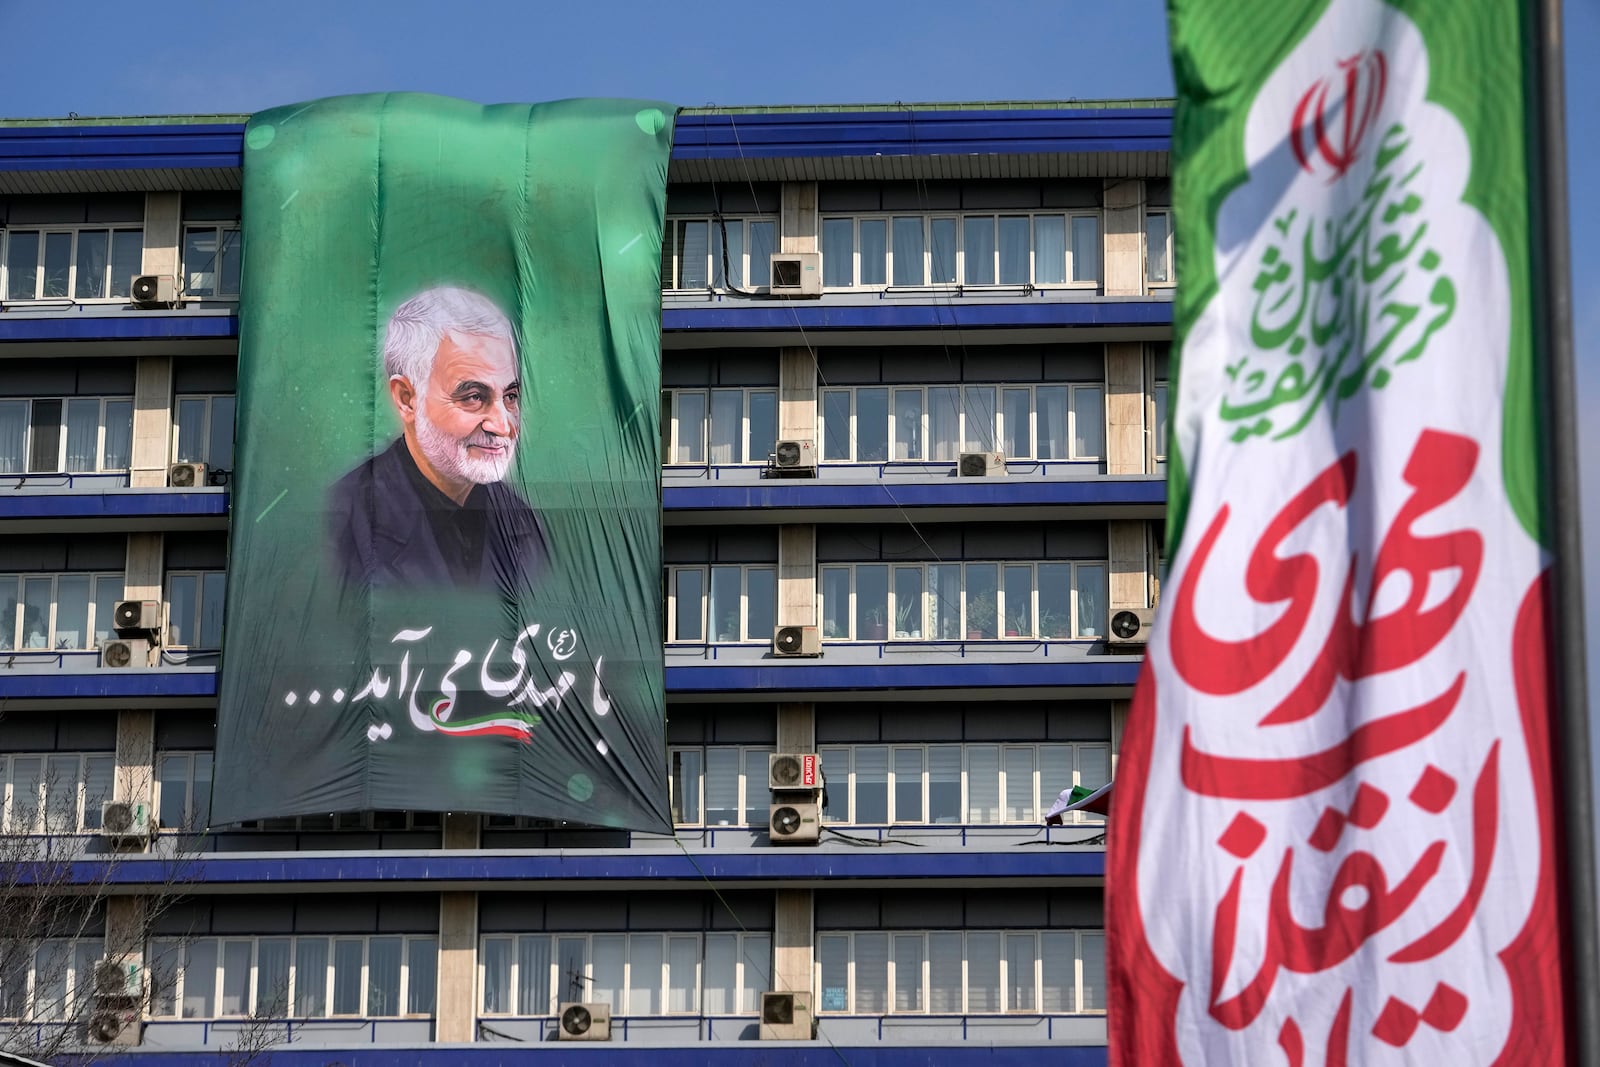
(976, 403)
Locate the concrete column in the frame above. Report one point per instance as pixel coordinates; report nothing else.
(1119, 723)
(142, 576)
(127, 921)
(1125, 403)
(1130, 571)
(455, 1019)
(136, 756)
(798, 222)
(162, 215)
(797, 575)
(797, 395)
(152, 420)
(797, 728)
(1123, 211)
(792, 941)
(461, 831)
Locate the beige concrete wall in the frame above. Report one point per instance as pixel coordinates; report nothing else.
(792, 952)
(797, 395)
(798, 222)
(152, 421)
(456, 1013)
(1125, 408)
(1130, 572)
(797, 728)
(461, 831)
(797, 575)
(1124, 237)
(162, 215)
(136, 755)
(142, 571)
(127, 923)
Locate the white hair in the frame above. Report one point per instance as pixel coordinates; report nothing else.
(412, 337)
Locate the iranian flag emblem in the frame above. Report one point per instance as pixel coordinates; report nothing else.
(1332, 840)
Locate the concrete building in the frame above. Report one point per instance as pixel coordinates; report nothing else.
(996, 284)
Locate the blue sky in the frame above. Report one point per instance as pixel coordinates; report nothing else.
(104, 59)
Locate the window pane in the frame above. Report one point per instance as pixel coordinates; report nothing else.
(61, 793)
(72, 611)
(1088, 417)
(45, 455)
(97, 776)
(1094, 765)
(1018, 440)
(908, 250)
(944, 601)
(763, 242)
(200, 793)
(978, 245)
(721, 969)
(723, 608)
(1056, 772)
(836, 767)
(872, 602)
(1085, 248)
(761, 603)
(1093, 949)
(908, 972)
(36, 596)
(607, 952)
(682, 958)
(57, 263)
(833, 953)
(22, 265)
(1055, 599)
(182, 608)
(572, 969)
(191, 430)
(727, 425)
(838, 252)
(644, 974)
(979, 432)
(27, 781)
(163, 970)
(235, 978)
(874, 245)
(1018, 607)
(347, 977)
(1058, 963)
(836, 603)
(94, 247)
(1019, 784)
(212, 590)
(272, 978)
(127, 259)
(836, 424)
(1091, 593)
(199, 978)
(172, 780)
(13, 435)
(422, 974)
(310, 977)
(1161, 422)
(763, 421)
(231, 258)
(1156, 266)
(1050, 416)
(694, 239)
(497, 976)
(944, 784)
(982, 605)
(691, 428)
(871, 784)
(1049, 249)
(908, 785)
(756, 957)
(983, 973)
(983, 784)
(944, 973)
(942, 241)
(383, 976)
(51, 962)
(83, 434)
(219, 439)
(686, 786)
(908, 424)
(107, 591)
(200, 261)
(872, 974)
(1019, 972)
(872, 425)
(722, 786)
(1014, 231)
(908, 602)
(755, 780)
(734, 230)
(689, 593)
(944, 422)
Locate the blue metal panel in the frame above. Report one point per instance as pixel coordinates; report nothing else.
(734, 1054)
(180, 146)
(762, 865)
(816, 675)
(130, 326)
(944, 492)
(729, 315)
(127, 684)
(123, 504)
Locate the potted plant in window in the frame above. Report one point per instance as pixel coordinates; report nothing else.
(1016, 622)
(906, 623)
(1054, 623)
(980, 616)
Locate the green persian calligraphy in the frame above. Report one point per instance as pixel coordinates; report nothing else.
(1341, 304)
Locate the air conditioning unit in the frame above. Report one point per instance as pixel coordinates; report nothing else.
(788, 772)
(125, 820)
(982, 465)
(136, 616)
(584, 1022)
(1130, 627)
(118, 979)
(796, 274)
(797, 641)
(186, 475)
(104, 1024)
(153, 290)
(794, 823)
(786, 1017)
(795, 459)
(125, 652)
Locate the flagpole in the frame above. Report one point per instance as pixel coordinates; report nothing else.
(1554, 369)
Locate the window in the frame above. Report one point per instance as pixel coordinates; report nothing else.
(1023, 248)
(57, 611)
(72, 263)
(183, 790)
(724, 785)
(635, 973)
(202, 431)
(692, 252)
(975, 601)
(722, 604)
(194, 609)
(355, 820)
(55, 792)
(54, 982)
(719, 426)
(75, 434)
(956, 784)
(211, 258)
(973, 972)
(1158, 247)
(1161, 429)
(936, 423)
(293, 977)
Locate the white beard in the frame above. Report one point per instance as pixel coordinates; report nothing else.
(453, 458)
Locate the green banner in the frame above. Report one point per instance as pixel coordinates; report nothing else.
(444, 572)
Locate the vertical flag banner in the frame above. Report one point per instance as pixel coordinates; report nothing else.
(1333, 838)
(444, 567)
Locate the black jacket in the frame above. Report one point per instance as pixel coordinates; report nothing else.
(388, 526)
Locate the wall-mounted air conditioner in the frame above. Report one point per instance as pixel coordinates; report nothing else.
(794, 823)
(125, 820)
(125, 652)
(134, 617)
(796, 274)
(795, 459)
(797, 641)
(1130, 627)
(786, 1017)
(186, 475)
(119, 978)
(584, 1022)
(104, 1024)
(981, 465)
(153, 290)
(794, 771)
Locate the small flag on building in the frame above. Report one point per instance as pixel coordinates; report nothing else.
(1079, 798)
(1335, 836)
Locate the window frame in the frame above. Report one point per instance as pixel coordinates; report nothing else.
(709, 635)
(1170, 248)
(199, 621)
(78, 988)
(221, 231)
(74, 229)
(61, 466)
(86, 806)
(753, 799)
(672, 259)
(18, 635)
(926, 419)
(673, 439)
(960, 253)
(176, 443)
